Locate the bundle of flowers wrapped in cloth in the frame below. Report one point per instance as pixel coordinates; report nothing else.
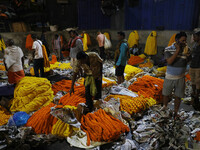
(4, 116)
(63, 129)
(131, 71)
(132, 104)
(135, 60)
(43, 122)
(106, 82)
(148, 86)
(101, 127)
(31, 93)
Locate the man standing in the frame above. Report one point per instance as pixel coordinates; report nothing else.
(56, 45)
(91, 63)
(44, 42)
(177, 55)
(13, 59)
(75, 44)
(195, 70)
(38, 56)
(101, 41)
(121, 57)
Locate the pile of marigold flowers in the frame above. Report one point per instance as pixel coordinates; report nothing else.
(148, 86)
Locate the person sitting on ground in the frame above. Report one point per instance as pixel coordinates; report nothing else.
(91, 63)
(177, 56)
(38, 56)
(121, 56)
(13, 59)
(195, 70)
(134, 50)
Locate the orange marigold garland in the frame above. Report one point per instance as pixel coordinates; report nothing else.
(148, 86)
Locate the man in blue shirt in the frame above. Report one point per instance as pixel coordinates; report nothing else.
(121, 58)
(195, 70)
(177, 56)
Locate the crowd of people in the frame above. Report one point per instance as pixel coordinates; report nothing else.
(90, 64)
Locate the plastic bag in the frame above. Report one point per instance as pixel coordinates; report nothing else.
(18, 119)
(66, 115)
(107, 44)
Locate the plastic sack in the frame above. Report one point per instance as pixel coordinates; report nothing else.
(107, 43)
(18, 119)
(122, 91)
(66, 115)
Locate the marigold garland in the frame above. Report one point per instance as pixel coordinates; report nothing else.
(75, 98)
(63, 85)
(61, 128)
(148, 87)
(31, 93)
(42, 121)
(102, 127)
(4, 116)
(132, 104)
(131, 71)
(2, 67)
(134, 60)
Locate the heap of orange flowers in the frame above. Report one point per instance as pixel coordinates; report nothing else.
(63, 85)
(134, 60)
(2, 67)
(101, 127)
(197, 138)
(42, 121)
(148, 86)
(75, 98)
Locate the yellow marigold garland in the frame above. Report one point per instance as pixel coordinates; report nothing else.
(4, 116)
(61, 128)
(31, 93)
(133, 104)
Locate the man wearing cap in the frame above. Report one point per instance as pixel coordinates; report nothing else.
(121, 56)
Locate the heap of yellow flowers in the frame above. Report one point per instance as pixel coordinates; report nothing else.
(62, 66)
(61, 128)
(160, 72)
(106, 82)
(142, 56)
(132, 104)
(31, 93)
(4, 116)
(163, 69)
(57, 65)
(131, 71)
